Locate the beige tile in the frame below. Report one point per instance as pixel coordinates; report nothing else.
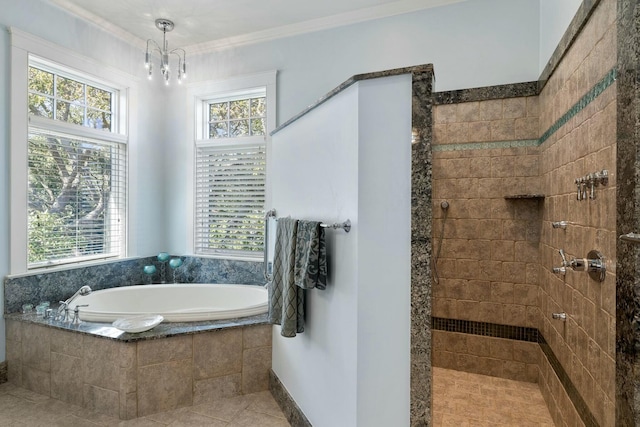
(266, 404)
(36, 347)
(64, 342)
(13, 330)
(217, 353)
(225, 409)
(490, 110)
(249, 418)
(165, 350)
(100, 362)
(468, 112)
(192, 419)
(101, 400)
(256, 363)
(208, 390)
(66, 378)
(36, 380)
(445, 113)
(256, 336)
(514, 108)
(458, 132)
(155, 380)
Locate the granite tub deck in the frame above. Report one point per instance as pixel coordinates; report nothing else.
(174, 365)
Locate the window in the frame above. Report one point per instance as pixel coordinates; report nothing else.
(230, 168)
(237, 117)
(76, 184)
(230, 177)
(69, 151)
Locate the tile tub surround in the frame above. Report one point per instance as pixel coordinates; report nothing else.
(136, 375)
(60, 285)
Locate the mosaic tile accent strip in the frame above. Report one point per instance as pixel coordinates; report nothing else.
(486, 145)
(581, 406)
(520, 333)
(592, 94)
(589, 97)
(485, 329)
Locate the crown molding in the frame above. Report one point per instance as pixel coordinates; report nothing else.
(101, 23)
(334, 21)
(381, 11)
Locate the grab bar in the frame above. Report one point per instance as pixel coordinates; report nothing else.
(271, 213)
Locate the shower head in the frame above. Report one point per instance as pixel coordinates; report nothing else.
(444, 205)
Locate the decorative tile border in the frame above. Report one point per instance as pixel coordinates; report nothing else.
(486, 145)
(485, 329)
(589, 97)
(520, 333)
(578, 402)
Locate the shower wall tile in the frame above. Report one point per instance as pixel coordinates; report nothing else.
(577, 124)
(535, 143)
(499, 357)
(484, 121)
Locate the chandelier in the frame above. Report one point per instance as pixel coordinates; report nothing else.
(165, 26)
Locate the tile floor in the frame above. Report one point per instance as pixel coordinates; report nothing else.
(23, 408)
(459, 399)
(462, 399)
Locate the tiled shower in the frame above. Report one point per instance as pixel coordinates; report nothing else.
(506, 160)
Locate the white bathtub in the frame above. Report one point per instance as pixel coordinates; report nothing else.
(176, 302)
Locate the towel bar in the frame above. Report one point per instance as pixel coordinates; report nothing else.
(271, 213)
(345, 225)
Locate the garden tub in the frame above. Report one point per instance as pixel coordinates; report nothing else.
(175, 302)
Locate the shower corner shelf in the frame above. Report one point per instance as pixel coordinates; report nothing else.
(524, 196)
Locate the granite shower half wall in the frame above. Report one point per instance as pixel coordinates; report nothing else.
(506, 159)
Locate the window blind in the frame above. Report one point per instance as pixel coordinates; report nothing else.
(76, 198)
(230, 198)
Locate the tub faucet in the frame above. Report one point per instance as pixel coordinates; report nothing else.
(85, 290)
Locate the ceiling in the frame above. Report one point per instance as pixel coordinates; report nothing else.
(207, 25)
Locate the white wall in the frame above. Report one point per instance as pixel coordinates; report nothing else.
(314, 175)
(555, 17)
(384, 251)
(350, 158)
